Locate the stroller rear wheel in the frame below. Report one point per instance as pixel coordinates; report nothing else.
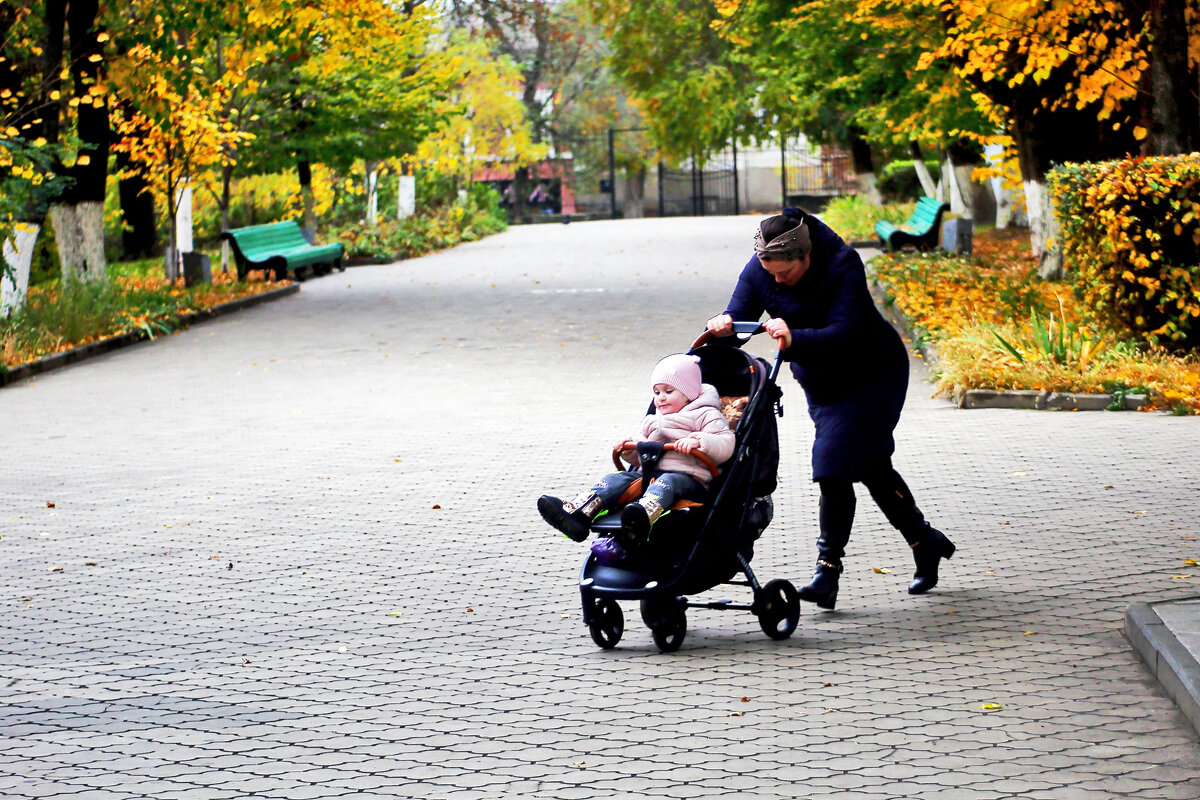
(667, 622)
(669, 636)
(778, 609)
(608, 623)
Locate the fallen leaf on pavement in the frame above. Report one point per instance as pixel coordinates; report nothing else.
(737, 714)
(89, 563)
(49, 505)
(882, 570)
(1191, 562)
(1173, 577)
(991, 706)
(435, 505)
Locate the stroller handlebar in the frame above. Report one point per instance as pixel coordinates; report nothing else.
(742, 330)
(629, 444)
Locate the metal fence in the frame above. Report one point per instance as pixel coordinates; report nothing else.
(588, 181)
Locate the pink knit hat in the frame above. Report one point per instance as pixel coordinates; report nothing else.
(681, 371)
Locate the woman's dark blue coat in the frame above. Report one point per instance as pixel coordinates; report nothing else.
(851, 363)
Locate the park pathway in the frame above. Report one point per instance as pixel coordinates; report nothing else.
(293, 553)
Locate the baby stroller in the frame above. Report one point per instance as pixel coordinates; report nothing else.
(738, 511)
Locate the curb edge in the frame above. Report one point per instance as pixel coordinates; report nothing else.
(82, 353)
(1168, 660)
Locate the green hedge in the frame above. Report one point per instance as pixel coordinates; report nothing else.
(1130, 236)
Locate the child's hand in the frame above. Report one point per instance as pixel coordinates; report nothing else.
(687, 445)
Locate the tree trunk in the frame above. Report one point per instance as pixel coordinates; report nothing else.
(406, 196)
(79, 234)
(1043, 226)
(864, 168)
(521, 195)
(927, 184)
(304, 170)
(953, 191)
(635, 193)
(978, 202)
(183, 217)
(14, 277)
(139, 234)
(79, 213)
(372, 189)
(1176, 108)
(226, 200)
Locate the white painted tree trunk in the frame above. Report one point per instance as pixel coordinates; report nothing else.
(1043, 230)
(867, 188)
(18, 254)
(183, 219)
(955, 193)
(927, 184)
(372, 189)
(966, 189)
(994, 154)
(406, 197)
(79, 234)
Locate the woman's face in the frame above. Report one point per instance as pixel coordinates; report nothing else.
(787, 271)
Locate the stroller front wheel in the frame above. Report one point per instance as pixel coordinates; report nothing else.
(778, 609)
(608, 623)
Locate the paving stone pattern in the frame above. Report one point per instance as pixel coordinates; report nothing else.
(293, 553)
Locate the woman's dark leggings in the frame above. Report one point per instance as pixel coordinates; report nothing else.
(890, 493)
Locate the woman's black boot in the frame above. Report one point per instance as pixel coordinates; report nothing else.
(836, 517)
(929, 548)
(823, 587)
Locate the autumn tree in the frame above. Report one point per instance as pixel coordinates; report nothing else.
(682, 72)
(56, 134)
(1072, 82)
(484, 121)
(348, 81)
(549, 42)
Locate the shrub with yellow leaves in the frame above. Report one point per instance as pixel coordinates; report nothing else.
(1131, 238)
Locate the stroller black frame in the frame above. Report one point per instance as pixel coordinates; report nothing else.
(661, 590)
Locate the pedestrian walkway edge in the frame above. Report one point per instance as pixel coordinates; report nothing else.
(58, 360)
(1167, 658)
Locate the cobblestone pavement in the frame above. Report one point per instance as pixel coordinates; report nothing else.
(293, 553)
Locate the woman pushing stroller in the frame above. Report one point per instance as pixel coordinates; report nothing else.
(687, 415)
(853, 368)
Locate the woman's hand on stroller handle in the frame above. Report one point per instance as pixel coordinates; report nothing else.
(724, 325)
(629, 444)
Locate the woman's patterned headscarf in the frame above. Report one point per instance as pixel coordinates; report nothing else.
(791, 244)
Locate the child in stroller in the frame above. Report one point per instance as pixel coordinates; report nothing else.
(687, 417)
(697, 546)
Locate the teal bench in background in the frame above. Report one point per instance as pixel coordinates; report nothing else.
(921, 229)
(280, 247)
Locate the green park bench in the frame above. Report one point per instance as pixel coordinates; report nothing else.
(280, 247)
(921, 229)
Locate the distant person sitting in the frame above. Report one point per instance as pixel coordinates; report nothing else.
(541, 197)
